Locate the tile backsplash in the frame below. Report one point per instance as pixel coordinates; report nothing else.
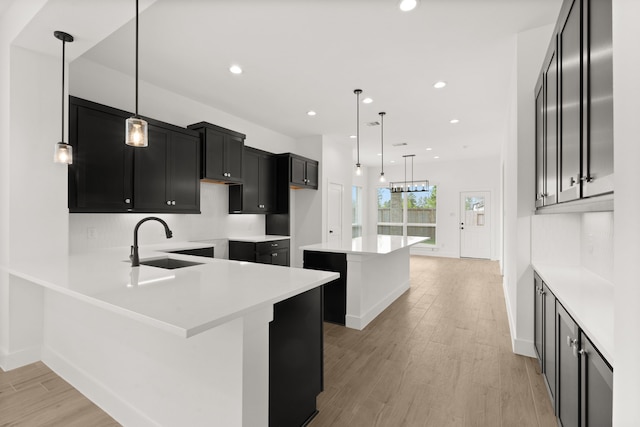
(96, 231)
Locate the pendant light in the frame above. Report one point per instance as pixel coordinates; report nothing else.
(421, 185)
(136, 129)
(63, 152)
(358, 168)
(382, 179)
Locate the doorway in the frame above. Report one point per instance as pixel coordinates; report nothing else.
(475, 224)
(334, 214)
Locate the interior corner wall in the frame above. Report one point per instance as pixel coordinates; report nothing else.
(336, 156)
(626, 104)
(519, 202)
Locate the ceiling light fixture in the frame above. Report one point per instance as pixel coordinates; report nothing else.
(358, 168)
(352, 137)
(454, 121)
(235, 69)
(367, 101)
(136, 129)
(436, 157)
(409, 186)
(429, 149)
(440, 84)
(382, 146)
(311, 113)
(63, 152)
(408, 5)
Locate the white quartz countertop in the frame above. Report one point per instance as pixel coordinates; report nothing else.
(259, 239)
(371, 245)
(184, 301)
(588, 298)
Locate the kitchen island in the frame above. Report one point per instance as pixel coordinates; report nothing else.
(153, 346)
(374, 272)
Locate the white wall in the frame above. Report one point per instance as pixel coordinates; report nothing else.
(626, 96)
(452, 178)
(97, 83)
(518, 157)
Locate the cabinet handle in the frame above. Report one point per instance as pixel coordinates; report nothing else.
(572, 181)
(274, 254)
(586, 178)
(127, 201)
(173, 202)
(169, 202)
(576, 352)
(570, 341)
(274, 245)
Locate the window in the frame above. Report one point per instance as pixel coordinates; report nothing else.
(356, 211)
(408, 214)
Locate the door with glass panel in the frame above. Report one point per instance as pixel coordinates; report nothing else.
(475, 225)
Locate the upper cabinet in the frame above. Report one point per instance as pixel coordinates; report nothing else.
(109, 176)
(258, 193)
(574, 107)
(303, 172)
(222, 153)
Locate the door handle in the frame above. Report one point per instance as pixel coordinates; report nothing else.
(330, 231)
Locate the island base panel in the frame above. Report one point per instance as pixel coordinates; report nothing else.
(335, 292)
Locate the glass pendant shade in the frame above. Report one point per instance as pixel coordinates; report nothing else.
(382, 178)
(358, 170)
(137, 134)
(63, 153)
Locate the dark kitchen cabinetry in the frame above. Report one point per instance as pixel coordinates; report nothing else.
(274, 252)
(222, 153)
(109, 176)
(295, 359)
(303, 172)
(166, 172)
(258, 193)
(574, 106)
(545, 334)
(568, 405)
(335, 292)
(596, 396)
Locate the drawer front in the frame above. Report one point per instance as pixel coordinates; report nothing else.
(272, 245)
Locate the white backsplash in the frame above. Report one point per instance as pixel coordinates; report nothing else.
(579, 239)
(96, 231)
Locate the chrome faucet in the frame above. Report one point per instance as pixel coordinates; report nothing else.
(134, 257)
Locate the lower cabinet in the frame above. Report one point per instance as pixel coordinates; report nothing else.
(295, 359)
(334, 293)
(275, 252)
(579, 379)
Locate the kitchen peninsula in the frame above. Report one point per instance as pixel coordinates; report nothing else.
(374, 272)
(153, 346)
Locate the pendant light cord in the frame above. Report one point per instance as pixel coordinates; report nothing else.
(62, 121)
(382, 142)
(358, 92)
(136, 58)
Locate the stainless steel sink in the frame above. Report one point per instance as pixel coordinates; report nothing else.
(168, 263)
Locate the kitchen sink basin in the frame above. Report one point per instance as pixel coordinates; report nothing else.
(168, 263)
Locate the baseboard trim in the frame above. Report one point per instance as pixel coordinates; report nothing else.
(9, 361)
(360, 323)
(518, 346)
(435, 251)
(95, 391)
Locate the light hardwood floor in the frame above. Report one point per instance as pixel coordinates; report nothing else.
(438, 356)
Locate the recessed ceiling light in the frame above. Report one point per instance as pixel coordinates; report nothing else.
(454, 121)
(379, 154)
(353, 137)
(367, 101)
(407, 5)
(436, 157)
(392, 161)
(311, 113)
(429, 149)
(235, 69)
(439, 85)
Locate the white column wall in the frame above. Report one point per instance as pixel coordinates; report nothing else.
(626, 96)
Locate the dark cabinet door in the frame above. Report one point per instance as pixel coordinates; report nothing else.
(549, 344)
(570, 48)
(295, 359)
(312, 174)
(258, 193)
(298, 171)
(251, 186)
(598, 100)
(551, 129)
(597, 387)
(234, 149)
(151, 165)
(213, 161)
(538, 320)
(100, 179)
(185, 172)
(267, 184)
(540, 178)
(568, 394)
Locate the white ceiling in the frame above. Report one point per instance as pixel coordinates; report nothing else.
(301, 55)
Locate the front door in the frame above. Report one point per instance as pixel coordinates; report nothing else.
(334, 216)
(475, 224)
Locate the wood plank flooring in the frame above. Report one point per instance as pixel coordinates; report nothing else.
(439, 356)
